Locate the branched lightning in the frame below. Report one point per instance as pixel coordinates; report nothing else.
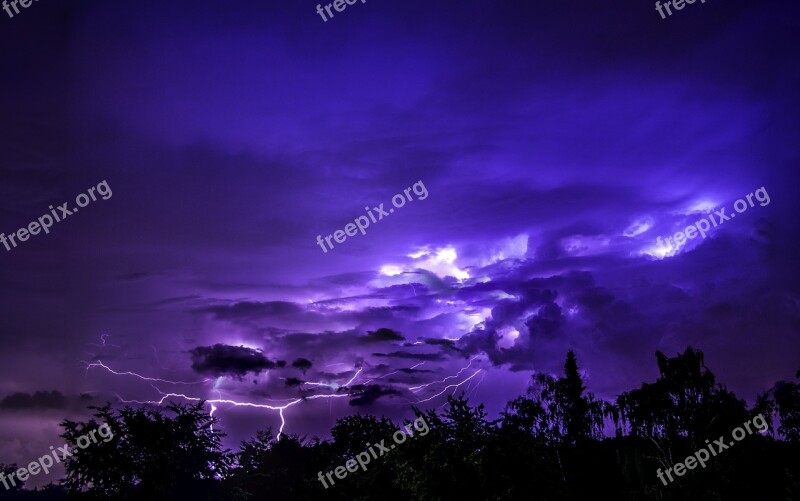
(224, 402)
(477, 384)
(415, 389)
(234, 403)
(451, 386)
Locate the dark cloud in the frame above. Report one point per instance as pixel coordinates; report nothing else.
(40, 399)
(293, 381)
(130, 277)
(225, 360)
(409, 370)
(449, 343)
(302, 364)
(249, 310)
(481, 340)
(446, 344)
(365, 395)
(177, 300)
(546, 321)
(415, 356)
(383, 334)
(594, 298)
(381, 369)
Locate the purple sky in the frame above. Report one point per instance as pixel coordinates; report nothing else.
(556, 141)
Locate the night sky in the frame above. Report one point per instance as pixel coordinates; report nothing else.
(556, 141)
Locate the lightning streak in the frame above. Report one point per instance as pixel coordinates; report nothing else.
(211, 414)
(212, 402)
(353, 378)
(475, 388)
(103, 341)
(451, 386)
(414, 389)
(335, 386)
(143, 378)
(234, 403)
(393, 372)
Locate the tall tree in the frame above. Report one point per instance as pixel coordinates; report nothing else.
(569, 413)
(583, 414)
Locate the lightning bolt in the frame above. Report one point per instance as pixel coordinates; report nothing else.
(103, 338)
(471, 394)
(211, 414)
(393, 372)
(234, 403)
(353, 378)
(415, 389)
(143, 378)
(454, 386)
(335, 386)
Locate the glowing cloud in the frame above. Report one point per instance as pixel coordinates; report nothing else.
(638, 227)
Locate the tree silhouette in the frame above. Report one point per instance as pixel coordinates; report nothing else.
(685, 401)
(582, 413)
(547, 444)
(8, 485)
(451, 451)
(269, 468)
(150, 456)
(787, 398)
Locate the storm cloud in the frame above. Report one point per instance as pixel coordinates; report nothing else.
(223, 360)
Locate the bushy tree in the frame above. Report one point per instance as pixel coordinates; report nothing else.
(7, 485)
(272, 468)
(685, 401)
(787, 400)
(151, 454)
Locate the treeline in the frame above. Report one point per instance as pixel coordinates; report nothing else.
(558, 442)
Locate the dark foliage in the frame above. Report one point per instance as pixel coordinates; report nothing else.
(551, 444)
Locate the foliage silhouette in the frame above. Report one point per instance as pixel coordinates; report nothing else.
(550, 444)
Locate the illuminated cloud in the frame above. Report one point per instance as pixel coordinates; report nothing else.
(638, 227)
(582, 245)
